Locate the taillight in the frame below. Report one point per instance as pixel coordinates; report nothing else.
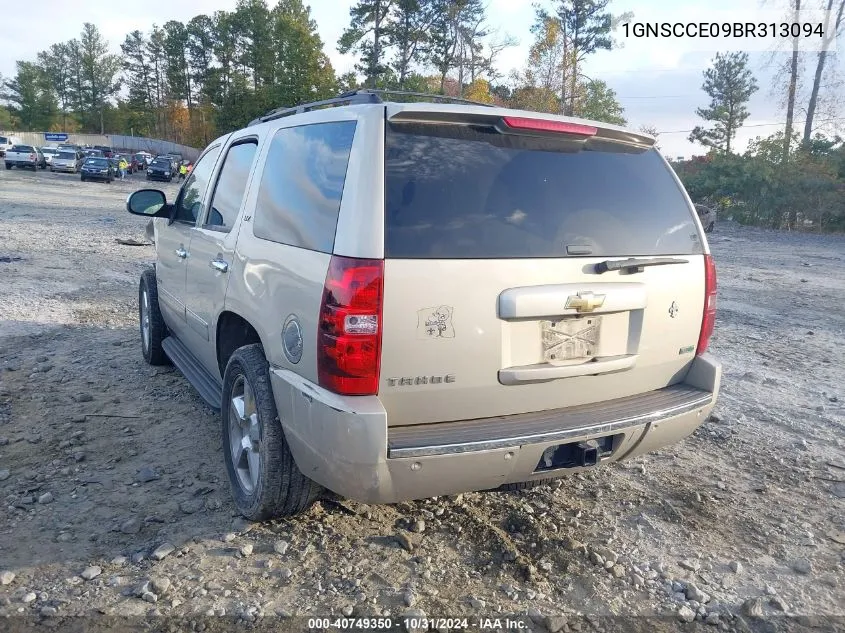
(349, 332)
(32, 157)
(709, 320)
(545, 125)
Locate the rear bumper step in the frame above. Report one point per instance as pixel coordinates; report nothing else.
(557, 425)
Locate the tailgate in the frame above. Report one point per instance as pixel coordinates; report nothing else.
(493, 301)
(495, 338)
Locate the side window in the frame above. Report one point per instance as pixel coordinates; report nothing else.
(189, 202)
(229, 192)
(302, 185)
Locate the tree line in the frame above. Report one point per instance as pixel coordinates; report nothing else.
(191, 81)
(449, 47)
(186, 82)
(791, 179)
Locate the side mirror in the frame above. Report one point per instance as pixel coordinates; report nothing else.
(149, 203)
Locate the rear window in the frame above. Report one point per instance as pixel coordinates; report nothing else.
(461, 192)
(67, 155)
(3, 139)
(158, 162)
(22, 148)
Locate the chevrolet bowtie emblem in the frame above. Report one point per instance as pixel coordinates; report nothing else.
(584, 302)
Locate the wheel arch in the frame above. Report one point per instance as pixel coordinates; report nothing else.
(233, 331)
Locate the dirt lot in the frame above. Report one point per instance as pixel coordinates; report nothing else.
(115, 502)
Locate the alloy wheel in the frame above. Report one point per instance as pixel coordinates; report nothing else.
(245, 435)
(145, 318)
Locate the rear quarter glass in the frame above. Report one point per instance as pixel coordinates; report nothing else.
(470, 192)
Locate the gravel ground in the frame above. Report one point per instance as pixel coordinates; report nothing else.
(115, 503)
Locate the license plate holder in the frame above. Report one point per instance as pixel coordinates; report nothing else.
(570, 339)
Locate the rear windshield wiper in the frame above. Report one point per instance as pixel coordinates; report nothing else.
(636, 265)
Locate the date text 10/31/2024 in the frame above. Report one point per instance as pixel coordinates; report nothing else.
(414, 623)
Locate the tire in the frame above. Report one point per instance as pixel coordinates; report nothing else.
(278, 488)
(8, 165)
(148, 309)
(82, 178)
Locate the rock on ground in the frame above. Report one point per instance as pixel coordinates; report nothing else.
(89, 573)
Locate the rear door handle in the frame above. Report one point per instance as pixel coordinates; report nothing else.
(181, 253)
(219, 265)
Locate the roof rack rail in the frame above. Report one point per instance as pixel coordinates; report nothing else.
(347, 98)
(426, 95)
(364, 95)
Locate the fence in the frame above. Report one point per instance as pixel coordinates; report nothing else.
(118, 141)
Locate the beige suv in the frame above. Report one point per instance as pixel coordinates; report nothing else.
(399, 300)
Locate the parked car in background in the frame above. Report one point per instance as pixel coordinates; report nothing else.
(49, 154)
(97, 168)
(69, 162)
(108, 152)
(6, 143)
(707, 215)
(24, 156)
(144, 159)
(174, 163)
(93, 153)
(505, 298)
(160, 169)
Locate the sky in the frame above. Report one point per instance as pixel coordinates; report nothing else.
(658, 82)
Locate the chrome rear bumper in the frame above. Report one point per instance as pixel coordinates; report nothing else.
(557, 425)
(346, 444)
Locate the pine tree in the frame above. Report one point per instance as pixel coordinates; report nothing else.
(830, 33)
(31, 97)
(304, 71)
(443, 35)
(599, 103)
(407, 34)
(253, 25)
(55, 63)
(585, 27)
(100, 68)
(730, 84)
(175, 48)
(200, 55)
(367, 36)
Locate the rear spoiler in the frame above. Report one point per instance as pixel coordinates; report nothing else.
(495, 117)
